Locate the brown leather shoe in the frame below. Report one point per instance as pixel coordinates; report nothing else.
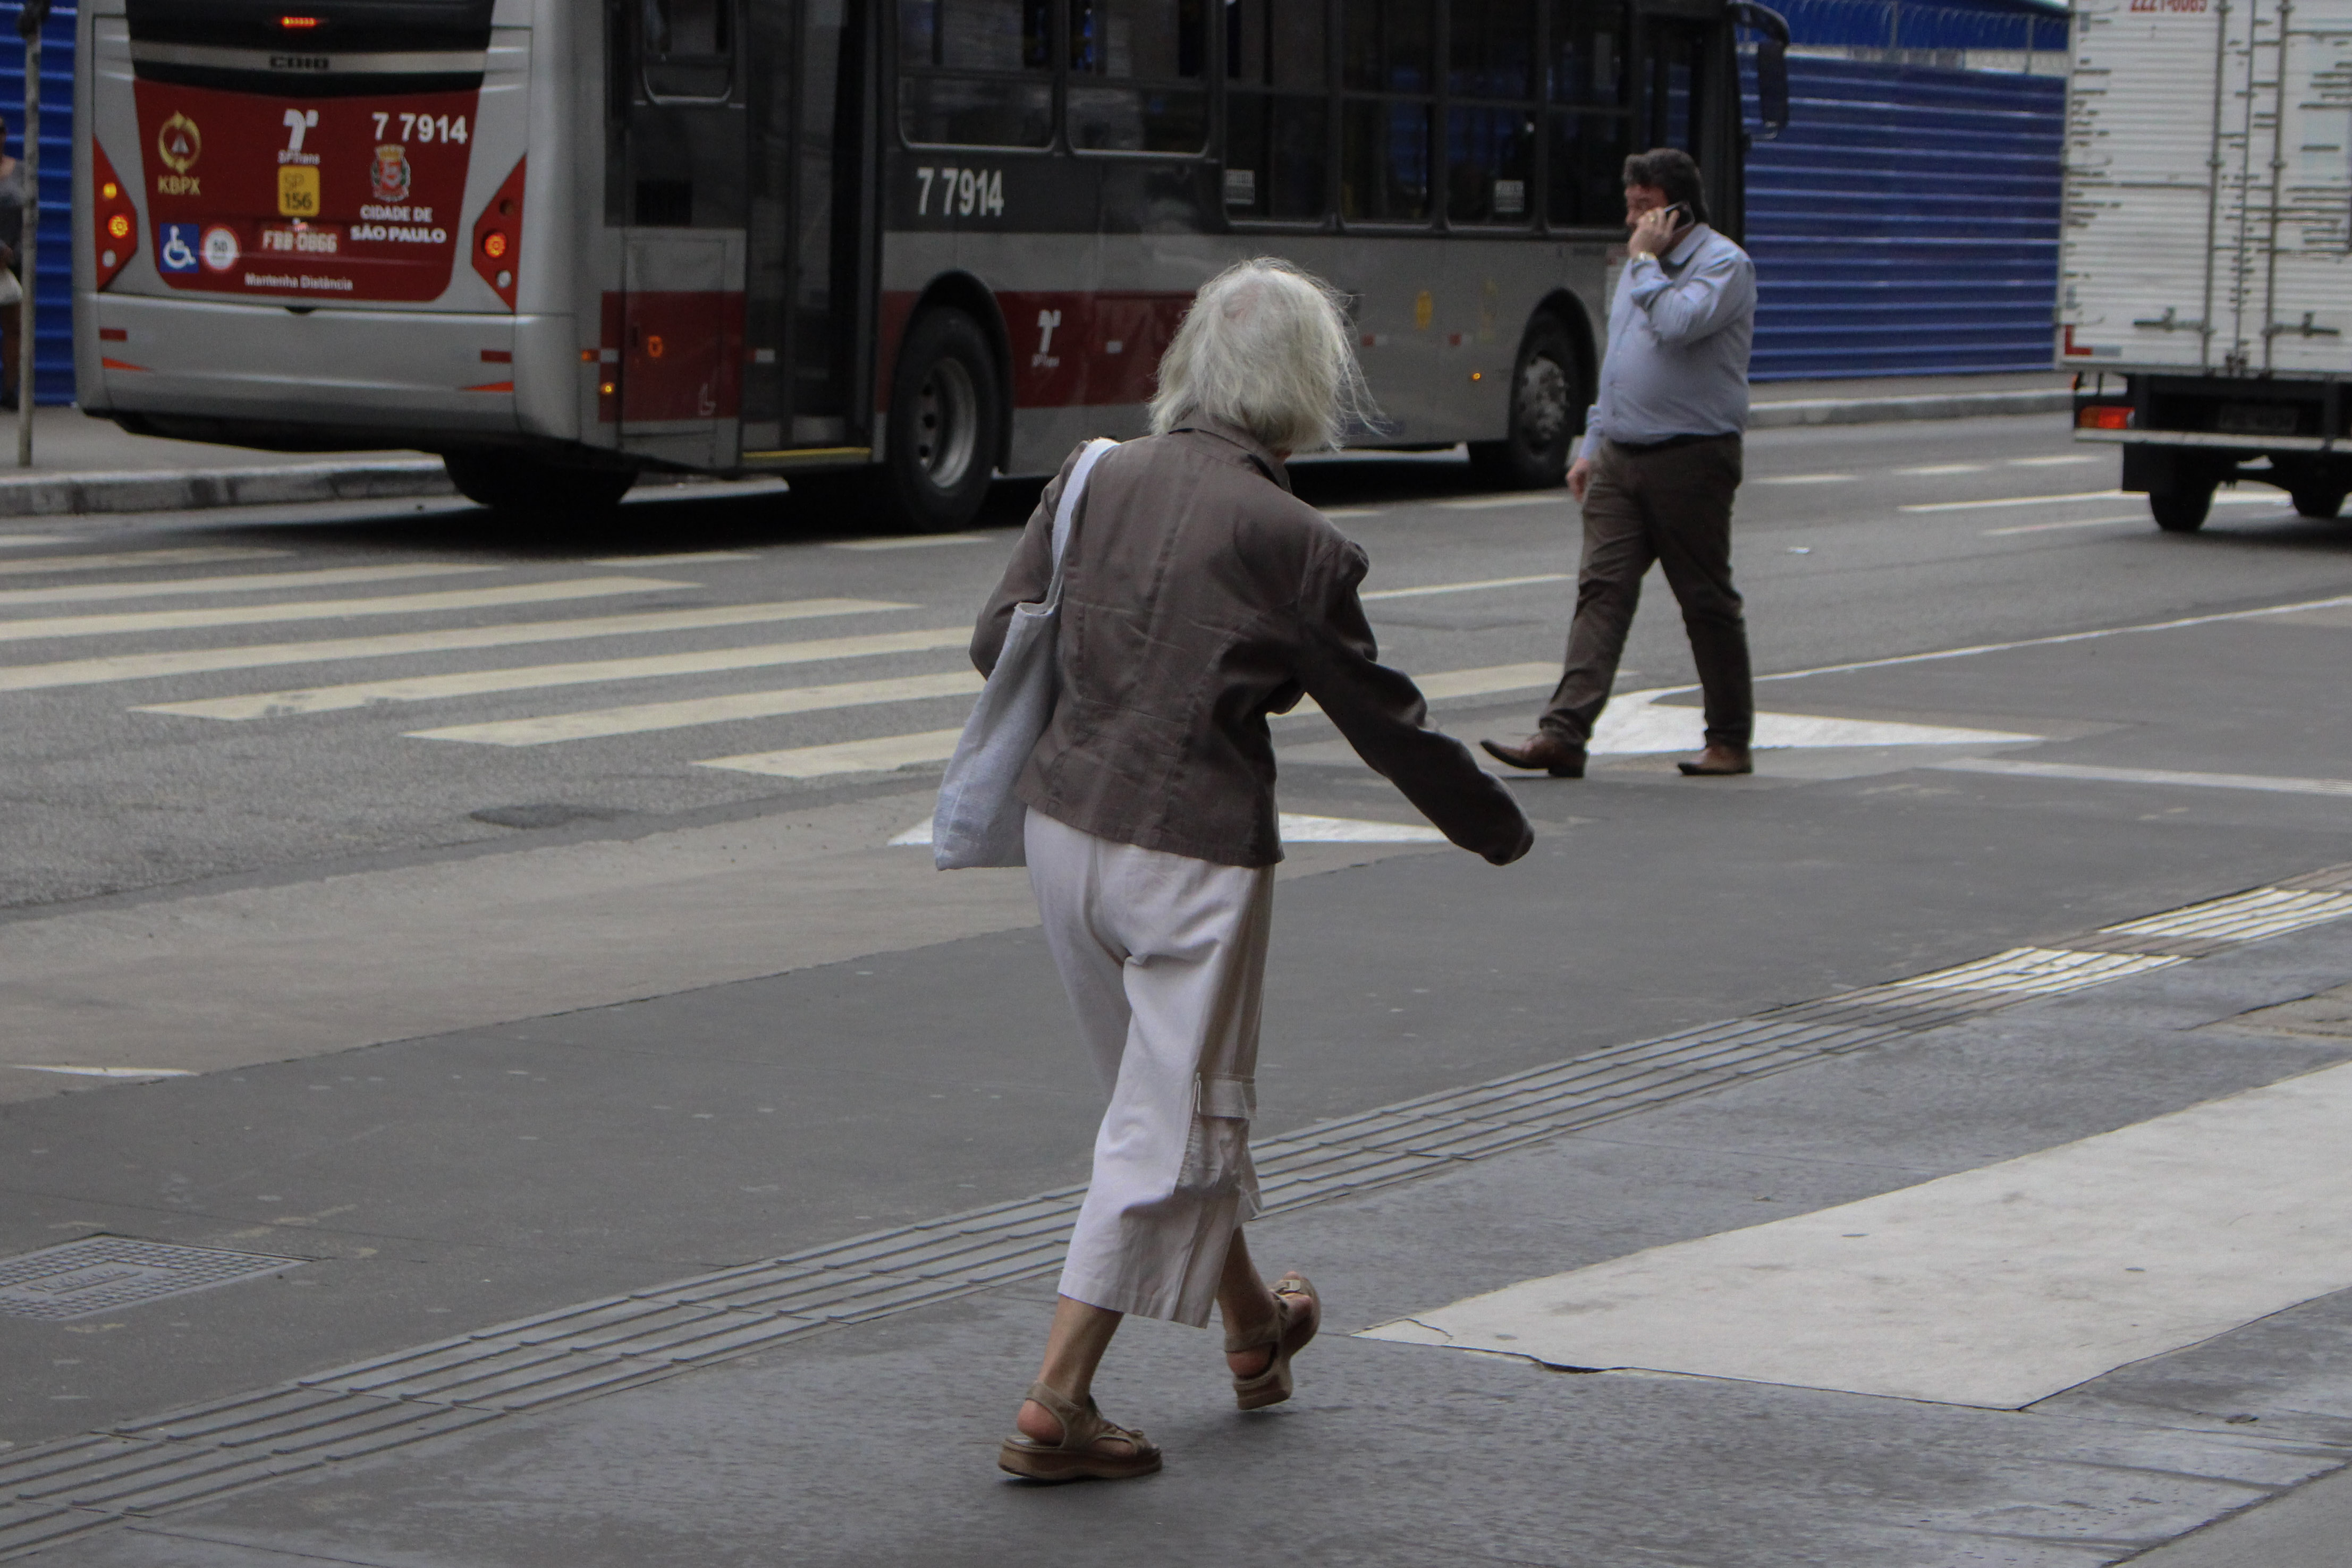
(1717, 759)
(1560, 759)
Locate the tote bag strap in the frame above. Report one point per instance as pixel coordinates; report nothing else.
(1064, 513)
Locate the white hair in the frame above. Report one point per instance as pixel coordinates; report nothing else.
(1266, 349)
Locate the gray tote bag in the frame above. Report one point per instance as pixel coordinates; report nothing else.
(979, 819)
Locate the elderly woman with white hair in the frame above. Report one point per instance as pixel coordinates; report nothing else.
(1199, 595)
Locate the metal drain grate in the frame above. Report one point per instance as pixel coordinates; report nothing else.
(2245, 917)
(2038, 971)
(104, 1273)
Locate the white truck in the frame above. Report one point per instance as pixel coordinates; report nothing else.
(2205, 270)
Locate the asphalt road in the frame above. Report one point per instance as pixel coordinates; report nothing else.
(357, 912)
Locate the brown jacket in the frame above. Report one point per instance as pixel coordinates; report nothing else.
(1199, 596)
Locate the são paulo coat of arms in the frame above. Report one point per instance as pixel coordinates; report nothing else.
(388, 175)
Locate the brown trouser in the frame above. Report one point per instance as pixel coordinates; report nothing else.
(1672, 506)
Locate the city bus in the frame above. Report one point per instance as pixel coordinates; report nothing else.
(890, 249)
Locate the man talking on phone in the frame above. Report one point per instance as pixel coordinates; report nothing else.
(1657, 470)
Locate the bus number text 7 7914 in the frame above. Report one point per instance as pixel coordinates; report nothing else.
(963, 193)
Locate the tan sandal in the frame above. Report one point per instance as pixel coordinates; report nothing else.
(1301, 1314)
(1081, 1455)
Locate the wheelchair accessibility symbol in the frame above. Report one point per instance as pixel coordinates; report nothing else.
(178, 251)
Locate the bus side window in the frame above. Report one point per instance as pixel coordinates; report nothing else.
(1387, 47)
(1490, 145)
(1278, 116)
(686, 49)
(976, 73)
(1592, 121)
(1160, 46)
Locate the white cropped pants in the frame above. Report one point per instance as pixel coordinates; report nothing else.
(1164, 958)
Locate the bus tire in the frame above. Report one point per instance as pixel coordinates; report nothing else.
(531, 490)
(2181, 508)
(2321, 501)
(1534, 455)
(947, 424)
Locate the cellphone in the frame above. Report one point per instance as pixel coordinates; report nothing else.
(1680, 210)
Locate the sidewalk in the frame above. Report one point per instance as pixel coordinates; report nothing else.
(84, 466)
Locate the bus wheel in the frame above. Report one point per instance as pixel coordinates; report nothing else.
(528, 490)
(947, 424)
(2182, 508)
(2317, 500)
(1534, 455)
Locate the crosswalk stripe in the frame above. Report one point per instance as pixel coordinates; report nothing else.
(645, 717)
(27, 541)
(1482, 582)
(263, 655)
(532, 678)
(1483, 503)
(889, 751)
(251, 582)
(875, 755)
(197, 555)
(126, 622)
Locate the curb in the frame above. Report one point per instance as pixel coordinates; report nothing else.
(1883, 409)
(173, 490)
(180, 490)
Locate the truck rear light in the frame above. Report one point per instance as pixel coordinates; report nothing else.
(497, 237)
(116, 219)
(2103, 416)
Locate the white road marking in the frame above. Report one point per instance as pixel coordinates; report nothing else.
(1295, 829)
(106, 1072)
(255, 582)
(1355, 512)
(1464, 587)
(532, 677)
(645, 717)
(2139, 517)
(127, 622)
(198, 554)
(2244, 916)
(1804, 479)
(878, 756)
(1529, 499)
(914, 541)
(1487, 681)
(27, 541)
(1633, 724)
(198, 661)
(2336, 603)
(2061, 460)
(2262, 781)
(2244, 498)
(689, 557)
(1994, 1287)
(2039, 971)
(1938, 468)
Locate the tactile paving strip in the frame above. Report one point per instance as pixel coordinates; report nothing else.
(153, 1467)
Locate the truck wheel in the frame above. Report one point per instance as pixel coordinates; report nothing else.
(947, 424)
(532, 490)
(1534, 455)
(2317, 500)
(2181, 509)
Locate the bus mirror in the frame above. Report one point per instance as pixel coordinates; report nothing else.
(1771, 62)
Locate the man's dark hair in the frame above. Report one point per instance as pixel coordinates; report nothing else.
(1672, 171)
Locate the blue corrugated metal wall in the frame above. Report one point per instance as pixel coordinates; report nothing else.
(1907, 222)
(53, 311)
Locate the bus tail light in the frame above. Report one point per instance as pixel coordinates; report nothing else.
(116, 219)
(497, 237)
(2103, 416)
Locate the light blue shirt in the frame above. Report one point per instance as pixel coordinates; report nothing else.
(1678, 338)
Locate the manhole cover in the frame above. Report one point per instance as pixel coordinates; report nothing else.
(102, 1274)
